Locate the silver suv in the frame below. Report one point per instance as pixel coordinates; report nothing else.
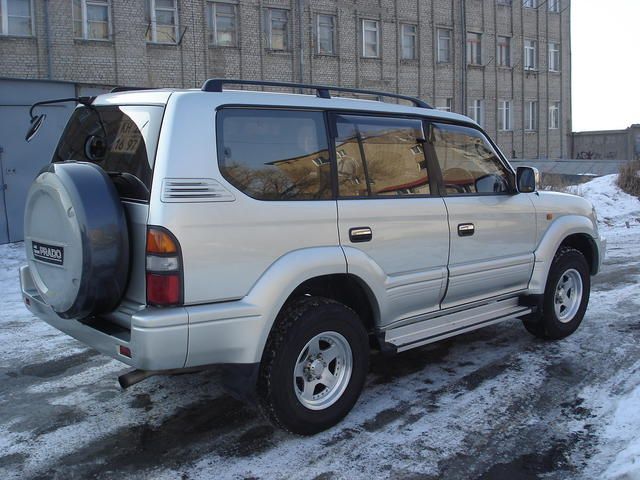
(285, 236)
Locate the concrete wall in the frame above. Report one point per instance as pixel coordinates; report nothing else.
(608, 144)
(128, 59)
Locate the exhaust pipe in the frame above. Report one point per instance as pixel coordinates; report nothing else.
(136, 376)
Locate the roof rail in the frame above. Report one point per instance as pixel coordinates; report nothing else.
(322, 91)
(128, 89)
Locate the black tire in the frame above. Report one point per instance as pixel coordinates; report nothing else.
(73, 211)
(297, 324)
(545, 324)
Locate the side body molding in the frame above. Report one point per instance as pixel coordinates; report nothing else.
(560, 229)
(237, 331)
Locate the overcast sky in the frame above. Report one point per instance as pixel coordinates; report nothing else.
(606, 64)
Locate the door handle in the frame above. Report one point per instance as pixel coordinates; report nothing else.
(360, 234)
(466, 229)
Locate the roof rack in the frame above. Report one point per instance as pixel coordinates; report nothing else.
(128, 89)
(322, 91)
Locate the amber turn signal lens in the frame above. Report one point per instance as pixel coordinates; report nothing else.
(160, 242)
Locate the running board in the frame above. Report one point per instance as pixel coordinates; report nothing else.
(444, 326)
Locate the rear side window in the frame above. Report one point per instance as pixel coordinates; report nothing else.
(380, 156)
(468, 162)
(274, 154)
(120, 139)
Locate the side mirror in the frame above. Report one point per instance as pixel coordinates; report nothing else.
(528, 179)
(36, 123)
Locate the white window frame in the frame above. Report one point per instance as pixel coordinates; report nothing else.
(554, 116)
(448, 38)
(554, 6)
(530, 3)
(287, 34)
(153, 24)
(554, 57)
(212, 15)
(377, 31)
(474, 48)
(504, 58)
(504, 116)
(409, 36)
(476, 111)
(530, 53)
(531, 116)
(4, 20)
(446, 105)
(333, 34)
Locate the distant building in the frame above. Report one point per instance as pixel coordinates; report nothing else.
(607, 144)
(505, 63)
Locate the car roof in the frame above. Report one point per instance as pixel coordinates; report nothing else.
(271, 99)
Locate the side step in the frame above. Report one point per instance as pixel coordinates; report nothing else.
(437, 328)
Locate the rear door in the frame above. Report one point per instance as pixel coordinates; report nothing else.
(393, 227)
(493, 228)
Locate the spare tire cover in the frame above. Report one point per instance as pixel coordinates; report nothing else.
(76, 239)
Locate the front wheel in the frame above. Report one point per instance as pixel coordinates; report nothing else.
(566, 297)
(314, 365)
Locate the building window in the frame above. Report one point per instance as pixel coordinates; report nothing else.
(474, 48)
(15, 18)
(221, 19)
(554, 116)
(530, 3)
(370, 38)
(326, 35)
(530, 55)
(277, 29)
(476, 111)
(554, 6)
(504, 115)
(91, 19)
(409, 41)
(554, 57)
(445, 104)
(504, 51)
(163, 21)
(444, 45)
(531, 116)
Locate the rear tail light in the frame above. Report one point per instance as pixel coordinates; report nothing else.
(164, 268)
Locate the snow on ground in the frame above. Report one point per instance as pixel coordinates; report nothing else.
(491, 404)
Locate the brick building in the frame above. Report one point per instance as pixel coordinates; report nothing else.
(504, 62)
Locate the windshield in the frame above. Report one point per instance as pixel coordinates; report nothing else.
(120, 139)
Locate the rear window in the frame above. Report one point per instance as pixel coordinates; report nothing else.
(120, 139)
(275, 154)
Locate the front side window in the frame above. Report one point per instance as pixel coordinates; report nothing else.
(222, 24)
(554, 57)
(474, 48)
(278, 29)
(530, 54)
(380, 156)
(91, 19)
(163, 21)
(468, 162)
(554, 116)
(326, 34)
(120, 139)
(275, 154)
(504, 115)
(504, 51)
(16, 18)
(531, 116)
(409, 42)
(370, 38)
(476, 111)
(554, 6)
(444, 45)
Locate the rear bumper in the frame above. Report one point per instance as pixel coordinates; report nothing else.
(157, 338)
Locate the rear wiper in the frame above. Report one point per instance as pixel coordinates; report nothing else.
(37, 120)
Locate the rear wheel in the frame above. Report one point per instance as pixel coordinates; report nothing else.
(565, 299)
(314, 365)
